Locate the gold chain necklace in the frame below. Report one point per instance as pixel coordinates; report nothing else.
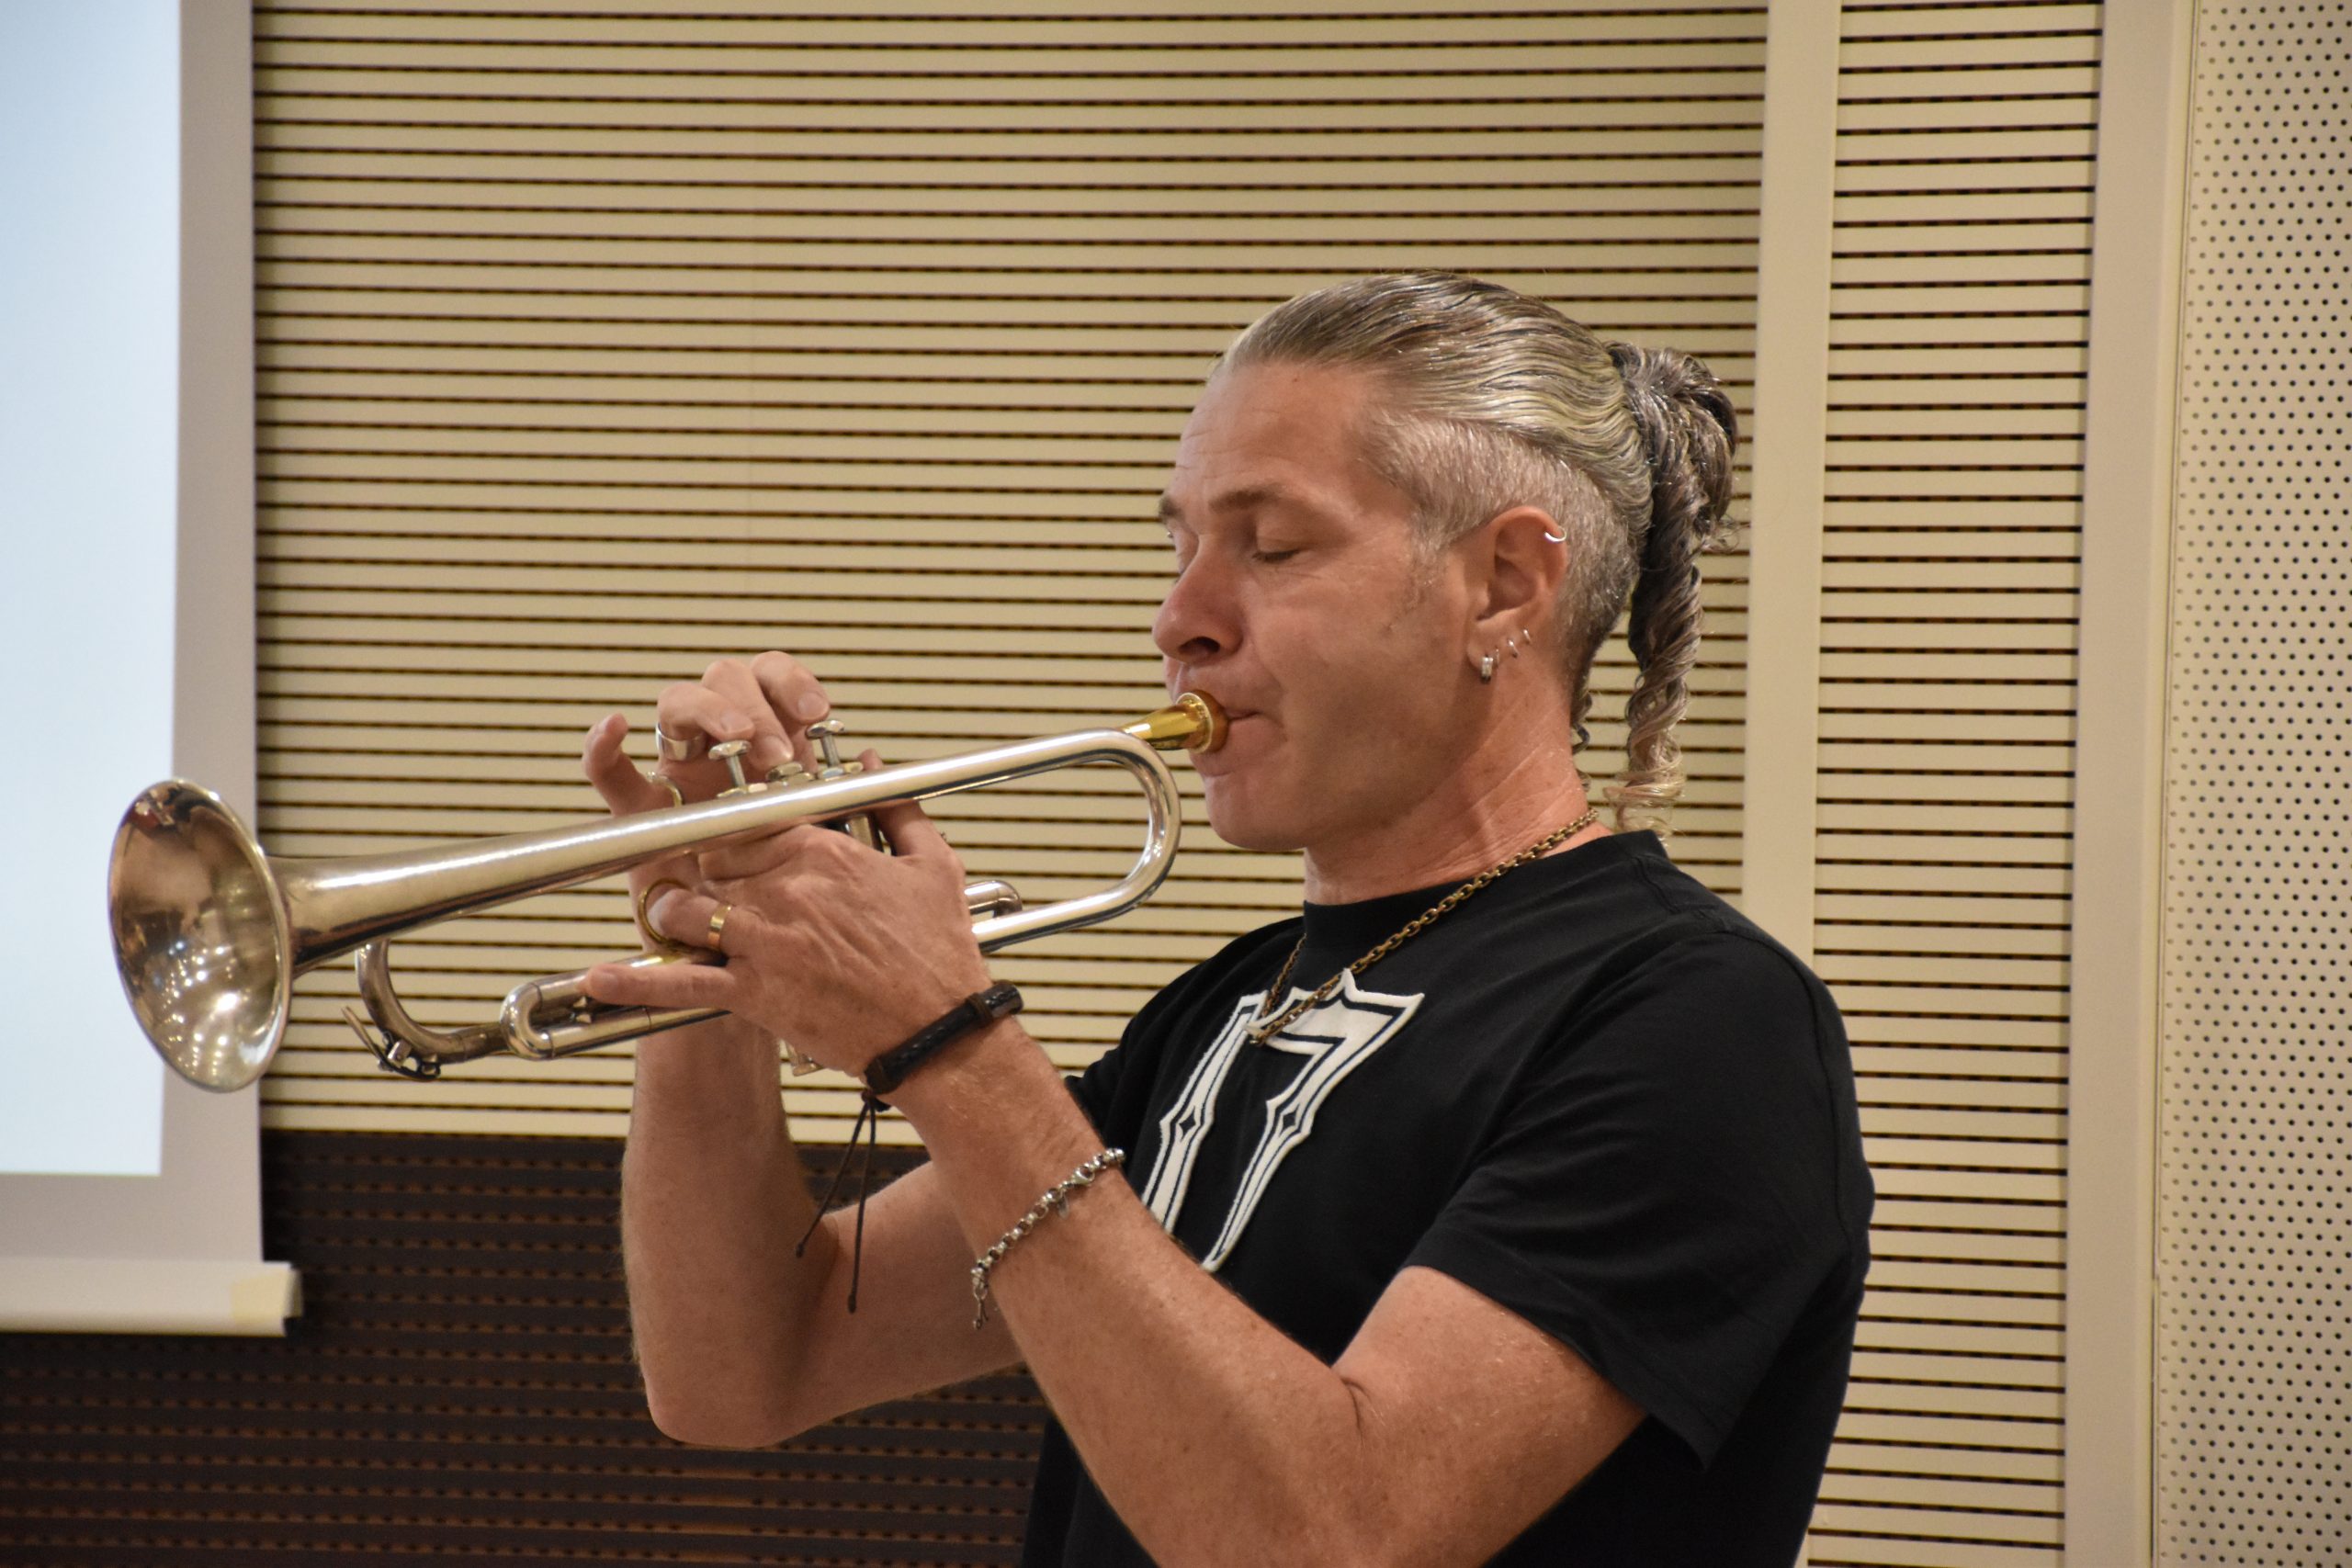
(1263, 1030)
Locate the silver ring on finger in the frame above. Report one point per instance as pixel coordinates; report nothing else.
(678, 748)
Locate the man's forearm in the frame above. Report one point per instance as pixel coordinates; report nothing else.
(712, 1201)
(1217, 1438)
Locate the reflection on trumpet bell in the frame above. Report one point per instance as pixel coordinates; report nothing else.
(210, 932)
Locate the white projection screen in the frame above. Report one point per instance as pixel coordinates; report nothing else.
(130, 1201)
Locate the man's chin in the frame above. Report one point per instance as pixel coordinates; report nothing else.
(1248, 825)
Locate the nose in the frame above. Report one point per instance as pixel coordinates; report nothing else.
(1198, 622)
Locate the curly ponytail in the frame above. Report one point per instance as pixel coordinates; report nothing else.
(1688, 431)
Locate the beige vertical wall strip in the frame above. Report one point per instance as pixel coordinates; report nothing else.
(2119, 757)
(212, 702)
(1790, 445)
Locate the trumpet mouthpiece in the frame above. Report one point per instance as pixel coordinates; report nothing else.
(1192, 721)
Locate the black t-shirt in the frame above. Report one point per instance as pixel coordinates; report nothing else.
(1596, 1094)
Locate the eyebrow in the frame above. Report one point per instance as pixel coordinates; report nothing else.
(1244, 498)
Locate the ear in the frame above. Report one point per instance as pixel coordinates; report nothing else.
(1518, 566)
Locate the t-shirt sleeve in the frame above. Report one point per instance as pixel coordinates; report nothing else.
(1111, 1087)
(1661, 1191)
(1095, 1088)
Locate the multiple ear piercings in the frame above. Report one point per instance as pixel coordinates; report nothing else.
(1487, 665)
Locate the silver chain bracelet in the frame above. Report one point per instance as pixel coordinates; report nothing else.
(1057, 1201)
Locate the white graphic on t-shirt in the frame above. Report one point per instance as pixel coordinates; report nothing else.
(1336, 1038)
(1186, 1125)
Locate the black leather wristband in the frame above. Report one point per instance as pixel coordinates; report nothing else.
(889, 1070)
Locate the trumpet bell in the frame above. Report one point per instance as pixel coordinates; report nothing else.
(201, 940)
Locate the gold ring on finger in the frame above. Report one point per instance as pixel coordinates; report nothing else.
(718, 924)
(645, 910)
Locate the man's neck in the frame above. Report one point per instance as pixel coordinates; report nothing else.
(1505, 796)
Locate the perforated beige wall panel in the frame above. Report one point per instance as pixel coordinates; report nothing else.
(594, 347)
(1961, 258)
(2253, 1435)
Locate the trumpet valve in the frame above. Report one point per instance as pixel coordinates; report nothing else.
(731, 752)
(826, 734)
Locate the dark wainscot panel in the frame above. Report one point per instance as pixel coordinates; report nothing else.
(459, 1390)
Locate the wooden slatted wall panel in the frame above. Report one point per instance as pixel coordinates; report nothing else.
(594, 346)
(1958, 335)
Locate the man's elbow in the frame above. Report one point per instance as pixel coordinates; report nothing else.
(709, 1423)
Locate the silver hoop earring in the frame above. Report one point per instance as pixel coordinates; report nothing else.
(1487, 668)
(1511, 642)
(1555, 538)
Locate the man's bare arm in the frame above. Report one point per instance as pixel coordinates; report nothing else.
(741, 1344)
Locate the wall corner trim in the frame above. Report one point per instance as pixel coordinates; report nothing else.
(2115, 982)
(1789, 457)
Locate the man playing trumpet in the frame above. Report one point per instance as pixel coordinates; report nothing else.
(1509, 1206)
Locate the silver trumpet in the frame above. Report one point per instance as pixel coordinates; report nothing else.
(209, 931)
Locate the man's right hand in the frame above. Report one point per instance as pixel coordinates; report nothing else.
(770, 700)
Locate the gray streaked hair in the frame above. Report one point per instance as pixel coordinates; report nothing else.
(1491, 400)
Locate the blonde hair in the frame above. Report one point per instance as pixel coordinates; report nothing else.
(1491, 400)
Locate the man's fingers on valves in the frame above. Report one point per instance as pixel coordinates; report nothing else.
(693, 709)
(747, 713)
(769, 701)
(792, 692)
